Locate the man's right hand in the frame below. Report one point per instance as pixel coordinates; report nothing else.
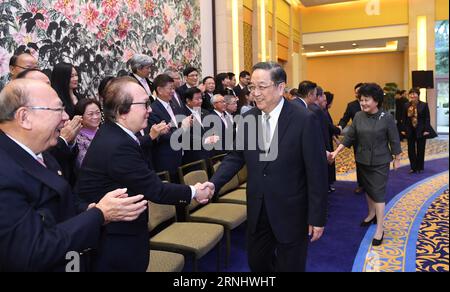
(204, 193)
(116, 206)
(72, 129)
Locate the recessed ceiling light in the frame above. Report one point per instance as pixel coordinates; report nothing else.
(354, 44)
(322, 47)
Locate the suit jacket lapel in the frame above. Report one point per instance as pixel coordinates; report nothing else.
(46, 176)
(164, 111)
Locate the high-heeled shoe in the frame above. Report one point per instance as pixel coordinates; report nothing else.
(367, 224)
(378, 242)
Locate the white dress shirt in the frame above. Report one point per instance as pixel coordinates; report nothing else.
(169, 109)
(144, 83)
(222, 116)
(274, 116)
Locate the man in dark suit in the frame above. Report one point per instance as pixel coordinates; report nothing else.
(244, 80)
(194, 146)
(222, 125)
(141, 66)
(286, 192)
(40, 221)
(178, 101)
(166, 157)
(352, 109)
(400, 101)
(115, 159)
(191, 77)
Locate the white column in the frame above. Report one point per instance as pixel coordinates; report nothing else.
(207, 48)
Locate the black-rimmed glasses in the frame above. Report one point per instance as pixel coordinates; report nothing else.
(147, 104)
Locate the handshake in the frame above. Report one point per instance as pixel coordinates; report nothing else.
(204, 192)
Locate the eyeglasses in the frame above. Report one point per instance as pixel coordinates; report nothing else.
(193, 76)
(253, 88)
(147, 104)
(41, 108)
(26, 68)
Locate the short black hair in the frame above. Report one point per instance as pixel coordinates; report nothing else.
(244, 74)
(80, 107)
(414, 90)
(17, 54)
(319, 91)
(277, 73)
(305, 87)
(330, 97)
(372, 90)
(189, 94)
(359, 85)
(231, 75)
(189, 70)
(161, 81)
(206, 79)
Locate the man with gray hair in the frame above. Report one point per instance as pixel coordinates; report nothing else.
(141, 66)
(41, 222)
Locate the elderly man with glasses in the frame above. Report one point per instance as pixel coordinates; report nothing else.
(41, 222)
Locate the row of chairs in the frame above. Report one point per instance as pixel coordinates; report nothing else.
(205, 225)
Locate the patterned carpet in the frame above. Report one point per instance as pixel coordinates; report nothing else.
(416, 232)
(433, 241)
(436, 148)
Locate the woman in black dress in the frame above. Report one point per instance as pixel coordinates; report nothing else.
(375, 133)
(64, 81)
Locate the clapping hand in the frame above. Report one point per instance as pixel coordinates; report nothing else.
(205, 192)
(158, 130)
(72, 129)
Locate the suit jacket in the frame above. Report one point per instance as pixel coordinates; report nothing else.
(299, 102)
(196, 136)
(206, 104)
(423, 119)
(376, 137)
(238, 90)
(323, 120)
(150, 85)
(164, 157)
(352, 109)
(113, 161)
(178, 105)
(66, 157)
(294, 187)
(181, 90)
(39, 221)
(225, 134)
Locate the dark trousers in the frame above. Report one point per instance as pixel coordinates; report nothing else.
(266, 254)
(416, 152)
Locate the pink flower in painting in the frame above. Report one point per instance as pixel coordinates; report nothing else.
(127, 55)
(4, 60)
(104, 29)
(165, 54)
(111, 8)
(168, 12)
(90, 17)
(196, 30)
(181, 29)
(67, 8)
(23, 38)
(149, 8)
(123, 27)
(133, 5)
(170, 35)
(187, 13)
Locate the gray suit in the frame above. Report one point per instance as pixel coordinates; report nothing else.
(377, 140)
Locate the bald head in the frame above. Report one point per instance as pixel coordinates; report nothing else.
(21, 63)
(19, 93)
(34, 74)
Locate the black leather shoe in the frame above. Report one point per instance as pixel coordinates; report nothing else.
(412, 171)
(331, 189)
(378, 242)
(367, 224)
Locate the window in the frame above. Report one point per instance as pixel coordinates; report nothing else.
(442, 55)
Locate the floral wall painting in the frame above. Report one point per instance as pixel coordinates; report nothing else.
(100, 36)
